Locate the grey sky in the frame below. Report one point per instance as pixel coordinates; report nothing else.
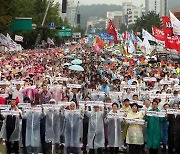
(117, 2)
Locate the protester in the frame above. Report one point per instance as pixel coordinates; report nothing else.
(164, 129)
(32, 139)
(114, 131)
(11, 129)
(96, 138)
(134, 136)
(154, 130)
(37, 76)
(72, 129)
(174, 131)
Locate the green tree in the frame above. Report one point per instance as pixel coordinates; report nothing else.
(123, 28)
(147, 21)
(7, 10)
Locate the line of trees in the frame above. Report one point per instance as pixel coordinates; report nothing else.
(9, 9)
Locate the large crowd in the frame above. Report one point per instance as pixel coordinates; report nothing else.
(75, 100)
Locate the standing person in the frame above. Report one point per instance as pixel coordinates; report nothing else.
(17, 93)
(154, 130)
(164, 129)
(85, 128)
(72, 129)
(174, 131)
(126, 107)
(52, 131)
(32, 129)
(114, 131)
(11, 129)
(74, 96)
(45, 97)
(134, 136)
(96, 130)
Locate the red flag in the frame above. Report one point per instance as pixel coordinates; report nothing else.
(158, 33)
(170, 43)
(100, 42)
(112, 30)
(167, 26)
(178, 44)
(125, 35)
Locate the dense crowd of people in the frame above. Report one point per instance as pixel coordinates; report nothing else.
(115, 103)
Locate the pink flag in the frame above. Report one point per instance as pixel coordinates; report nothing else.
(96, 48)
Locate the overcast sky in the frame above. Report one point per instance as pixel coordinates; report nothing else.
(118, 2)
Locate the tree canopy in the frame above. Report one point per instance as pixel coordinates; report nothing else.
(147, 21)
(9, 9)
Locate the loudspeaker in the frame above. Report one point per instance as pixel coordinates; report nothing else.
(78, 18)
(64, 6)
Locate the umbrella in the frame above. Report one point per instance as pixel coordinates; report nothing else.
(76, 61)
(107, 61)
(76, 68)
(66, 64)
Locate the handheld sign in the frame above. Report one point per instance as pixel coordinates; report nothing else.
(4, 95)
(61, 79)
(155, 114)
(23, 105)
(135, 121)
(78, 86)
(173, 111)
(5, 107)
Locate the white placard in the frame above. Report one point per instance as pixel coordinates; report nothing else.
(135, 121)
(115, 93)
(114, 115)
(65, 104)
(173, 111)
(27, 109)
(165, 82)
(95, 103)
(149, 79)
(10, 112)
(4, 95)
(46, 106)
(72, 111)
(30, 87)
(140, 103)
(78, 86)
(4, 107)
(123, 112)
(108, 105)
(155, 114)
(18, 82)
(37, 109)
(99, 93)
(23, 105)
(130, 87)
(4, 83)
(61, 79)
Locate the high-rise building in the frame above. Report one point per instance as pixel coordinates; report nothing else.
(131, 13)
(158, 6)
(71, 12)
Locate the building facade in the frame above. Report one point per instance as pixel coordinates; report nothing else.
(131, 13)
(158, 6)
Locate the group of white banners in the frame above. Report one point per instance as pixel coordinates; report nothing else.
(8, 42)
